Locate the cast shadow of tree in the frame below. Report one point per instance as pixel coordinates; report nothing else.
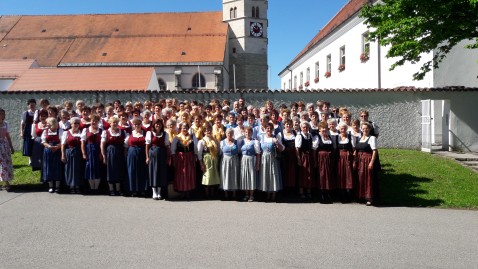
(402, 190)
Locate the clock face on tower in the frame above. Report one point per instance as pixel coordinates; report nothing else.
(256, 29)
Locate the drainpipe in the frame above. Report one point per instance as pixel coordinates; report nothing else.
(379, 63)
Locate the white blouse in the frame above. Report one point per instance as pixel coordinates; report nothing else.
(315, 140)
(64, 136)
(372, 141)
(83, 133)
(149, 137)
(49, 132)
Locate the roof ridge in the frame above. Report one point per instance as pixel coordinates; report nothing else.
(101, 14)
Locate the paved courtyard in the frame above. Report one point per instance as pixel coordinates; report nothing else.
(41, 230)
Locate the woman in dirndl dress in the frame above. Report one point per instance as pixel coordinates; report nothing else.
(52, 166)
(6, 149)
(229, 168)
(270, 179)
(325, 159)
(157, 154)
(367, 165)
(124, 124)
(26, 127)
(184, 152)
(208, 155)
(112, 150)
(136, 160)
(250, 164)
(345, 180)
(37, 148)
(90, 147)
(71, 156)
(289, 156)
(306, 144)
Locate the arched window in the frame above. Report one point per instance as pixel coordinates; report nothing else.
(253, 12)
(162, 84)
(199, 81)
(257, 12)
(235, 12)
(231, 13)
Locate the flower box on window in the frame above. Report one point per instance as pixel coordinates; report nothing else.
(316, 80)
(328, 74)
(364, 57)
(301, 87)
(306, 84)
(341, 67)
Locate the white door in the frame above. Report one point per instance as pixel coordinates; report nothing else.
(426, 126)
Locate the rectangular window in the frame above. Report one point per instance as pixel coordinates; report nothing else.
(301, 78)
(290, 84)
(307, 74)
(295, 82)
(342, 55)
(284, 86)
(365, 44)
(329, 63)
(317, 69)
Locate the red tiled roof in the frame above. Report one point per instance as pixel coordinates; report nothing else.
(15, 68)
(125, 38)
(84, 79)
(351, 8)
(6, 24)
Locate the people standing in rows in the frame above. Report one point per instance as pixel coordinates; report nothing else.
(85, 118)
(124, 123)
(366, 162)
(305, 146)
(250, 164)
(37, 147)
(229, 168)
(208, 155)
(6, 150)
(71, 156)
(113, 153)
(184, 155)
(91, 151)
(325, 158)
(270, 180)
(26, 127)
(288, 156)
(345, 146)
(136, 160)
(51, 164)
(157, 154)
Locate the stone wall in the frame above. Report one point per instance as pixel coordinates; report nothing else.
(397, 113)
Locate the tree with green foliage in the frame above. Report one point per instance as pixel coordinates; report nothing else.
(413, 27)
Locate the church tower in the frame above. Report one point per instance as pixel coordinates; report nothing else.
(248, 42)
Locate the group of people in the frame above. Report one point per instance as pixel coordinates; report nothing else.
(139, 148)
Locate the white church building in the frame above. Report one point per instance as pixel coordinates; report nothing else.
(340, 56)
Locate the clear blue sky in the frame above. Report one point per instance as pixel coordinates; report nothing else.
(292, 24)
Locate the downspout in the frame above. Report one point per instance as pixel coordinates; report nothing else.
(379, 63)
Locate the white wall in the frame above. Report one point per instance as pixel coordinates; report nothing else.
(397, 113)
(458, 69)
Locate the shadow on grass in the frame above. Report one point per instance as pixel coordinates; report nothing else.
(402, 190)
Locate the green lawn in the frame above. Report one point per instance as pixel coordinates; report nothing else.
(413, 178)
(409, 178)
(23, 174)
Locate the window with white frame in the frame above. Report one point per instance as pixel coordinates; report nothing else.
(284, 86)
(295, 82)
(317, 69)
(307, 74)
(290, 84)
(301, 78)
(329, 63)
(342, 55)
(365, 44)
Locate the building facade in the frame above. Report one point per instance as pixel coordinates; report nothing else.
(189, 50)
(341, 56)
